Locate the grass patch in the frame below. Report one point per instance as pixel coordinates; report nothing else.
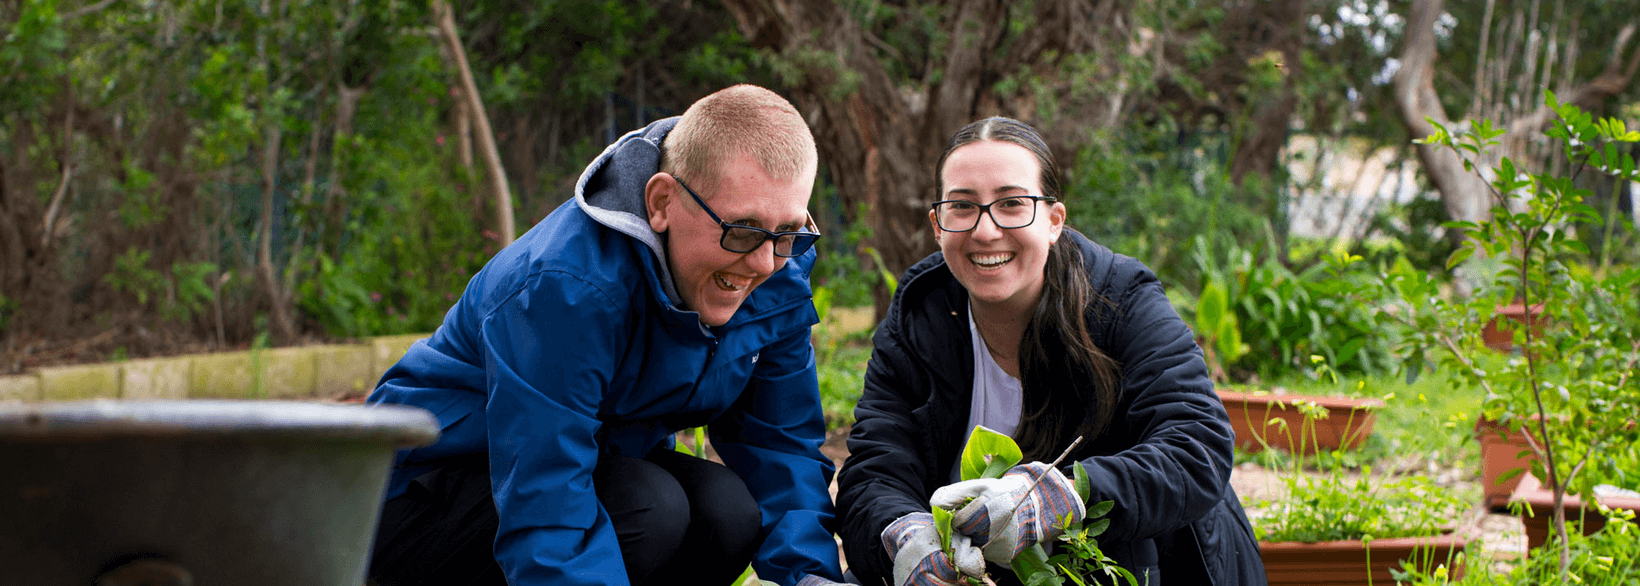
(840, 359)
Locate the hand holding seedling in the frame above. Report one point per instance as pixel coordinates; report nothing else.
(1030, 504)
(920, 557)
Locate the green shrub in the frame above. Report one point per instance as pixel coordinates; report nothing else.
(180, 296)
(1280, 317)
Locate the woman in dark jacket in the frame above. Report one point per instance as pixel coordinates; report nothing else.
(1029, 328)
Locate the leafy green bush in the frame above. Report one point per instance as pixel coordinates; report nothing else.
(1280, 317)
(838, 266)
(184, 294)
(412, 237)
(841, 362)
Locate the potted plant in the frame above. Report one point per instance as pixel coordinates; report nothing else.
(1537, 507)
(1505, 455)
(1262, 419)
(1340, 527)
(1499, 335)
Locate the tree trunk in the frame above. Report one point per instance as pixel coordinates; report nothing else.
(486, 136)
(1465, 195)
(879, 140)
(464, 130)
(280, 323)
(1262, 28)
(347, 104)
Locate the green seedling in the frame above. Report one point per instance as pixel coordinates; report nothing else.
(989, 454)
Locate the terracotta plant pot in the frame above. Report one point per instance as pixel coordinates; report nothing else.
(1345, 563)
(1502, 450)
(1539, 510)
(1348, 423)
(1503, 341)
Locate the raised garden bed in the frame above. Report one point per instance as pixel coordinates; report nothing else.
(1346, 563)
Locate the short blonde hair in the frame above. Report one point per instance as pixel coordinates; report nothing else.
(741, 119)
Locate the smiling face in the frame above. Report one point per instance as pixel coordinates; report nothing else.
(1000, 268)
(713, 281)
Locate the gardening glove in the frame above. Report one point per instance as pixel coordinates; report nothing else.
(1007, 514)
(813, 580)
(914, 544)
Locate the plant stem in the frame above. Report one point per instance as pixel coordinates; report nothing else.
(1009, 514)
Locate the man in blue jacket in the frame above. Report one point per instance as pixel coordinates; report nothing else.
(672, 292)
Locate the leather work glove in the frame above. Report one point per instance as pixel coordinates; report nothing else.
(914, 544)
(1007, 515)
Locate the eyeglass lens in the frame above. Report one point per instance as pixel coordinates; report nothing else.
(1008, 212)
(747, 239)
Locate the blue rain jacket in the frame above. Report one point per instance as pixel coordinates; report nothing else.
(570, 344)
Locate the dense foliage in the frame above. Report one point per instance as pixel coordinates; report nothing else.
(213, 171)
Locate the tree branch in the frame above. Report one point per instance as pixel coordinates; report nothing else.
(84, 10)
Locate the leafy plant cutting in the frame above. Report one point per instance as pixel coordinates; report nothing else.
(991, 455)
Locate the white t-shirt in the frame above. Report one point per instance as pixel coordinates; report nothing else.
(998, 397)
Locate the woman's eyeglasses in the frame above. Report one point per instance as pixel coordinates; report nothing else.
(955, 215)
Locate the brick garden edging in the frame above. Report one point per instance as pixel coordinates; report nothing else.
(330, 370)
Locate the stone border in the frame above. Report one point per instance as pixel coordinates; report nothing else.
(331, 370)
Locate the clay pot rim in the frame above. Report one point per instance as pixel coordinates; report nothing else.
(1365, 403)
(1532, 492)
(1446, 539)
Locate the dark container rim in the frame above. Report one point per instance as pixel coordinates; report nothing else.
(400, 425)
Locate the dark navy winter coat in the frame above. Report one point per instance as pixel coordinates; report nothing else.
(570, 344)
(1164, 458)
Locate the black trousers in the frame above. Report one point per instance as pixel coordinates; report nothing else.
(674, 515)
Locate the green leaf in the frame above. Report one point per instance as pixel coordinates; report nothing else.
(1097, 528)
(987, 449)
(942, 526)
(1211, 308)
(1084, 487)
(996, 468)
(1032, 568)
(1101, 509)
(1458, 256)
(1072, 575)
(822, 301)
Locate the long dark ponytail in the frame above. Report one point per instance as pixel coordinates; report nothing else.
(1070, 384)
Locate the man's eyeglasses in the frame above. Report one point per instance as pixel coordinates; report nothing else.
(741, 239)
(955, 215)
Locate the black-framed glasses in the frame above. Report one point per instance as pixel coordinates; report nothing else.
(955, 215)
(742, 239)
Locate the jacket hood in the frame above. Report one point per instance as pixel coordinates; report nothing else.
(611, 190)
